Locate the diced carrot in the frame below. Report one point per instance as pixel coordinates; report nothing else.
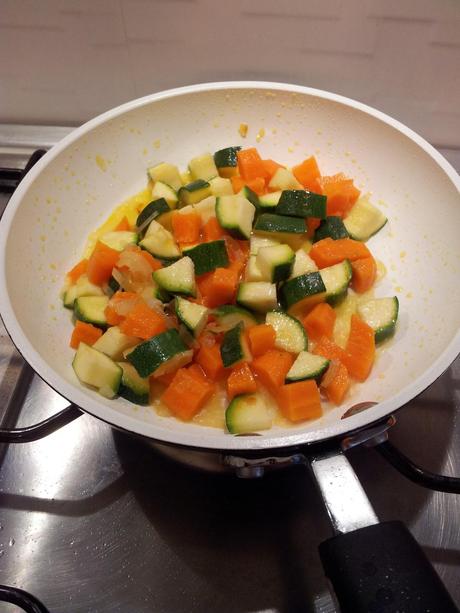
(271, 167)
(148, 257)
(143, 322)
(241, 381)
(261, 339)
(77, 271)
(320, 321)
(197, 372)
(328, 251)
(210, 360)
(186, 227)
(360, 349)
(212, 230)
(84, 333)
(237, 183)
(257, 185)
(238, 251)
(250, 164)
(312, 224)
(101, 263)
(336, 382)
(341, 194)
(123, 226)
(186, 395)
(113, 313)
(364, 273)
(165, 379)
(218, 287)
(330, 350)
(272, 368)
(300, 401)
(308, 174)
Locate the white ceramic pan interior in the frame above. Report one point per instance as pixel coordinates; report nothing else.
(75, 186)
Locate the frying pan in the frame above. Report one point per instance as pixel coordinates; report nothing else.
(72, 189)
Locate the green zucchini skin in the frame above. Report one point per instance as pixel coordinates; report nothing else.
(233, 349)
(301, 203)
(331, 227)
(224, 158)
(157, 207)
(271, 222)
(301, 287)
(151, 354)
(208, 256)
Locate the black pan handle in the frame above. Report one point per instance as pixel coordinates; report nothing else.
(42, 429)
(22, 599)
(382, 569)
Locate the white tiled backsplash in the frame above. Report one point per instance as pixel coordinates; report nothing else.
(63, 61)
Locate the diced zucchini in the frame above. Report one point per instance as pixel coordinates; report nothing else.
(275, 263)
(179, 360)
(234, 348)
(253, 272)
(364, 220)
(257, 296)
(208, 256)
(166, 173)
(300, 203)
(148, 356)
(221, 186)
(114, 342)
(256, 242)
(290, 334)
(235, 214)
(284, 179)
(250, 195)
(161, 294)
(96, 369)
(226, 161)
(193, 316)
(336, 280)
(269, 201)
(161, 190)
(229, 315)
(178, 278)
(203, 167)
(83, 287)
(303, 264)
(268, 222)
(331, 227)
(381, 314)
(119, 240)
(303, 292)
(307, 366)
(160, 242)
(113, 285)
(91, 309)
(247, 413)
(206, 208)
(153, 210)
(194, 192)
(133, 387)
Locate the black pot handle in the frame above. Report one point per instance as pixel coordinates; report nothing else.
(373, 567)
(382, 569)
(22, 599)
(42, 429)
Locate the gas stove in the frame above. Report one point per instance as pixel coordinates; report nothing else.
(93, 520)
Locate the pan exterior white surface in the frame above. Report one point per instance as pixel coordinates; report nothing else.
(76, 185)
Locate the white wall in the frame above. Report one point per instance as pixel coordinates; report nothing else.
(62, 62)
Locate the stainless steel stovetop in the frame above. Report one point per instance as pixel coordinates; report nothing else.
(95, 521)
